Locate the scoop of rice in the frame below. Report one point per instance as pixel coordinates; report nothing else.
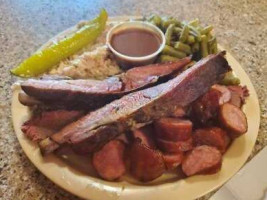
(96, 64)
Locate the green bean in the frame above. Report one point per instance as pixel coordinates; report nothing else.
(166, 58)
(157, 20)
(190, 39)
(206, 30)
(168, 50)
(177, 30)
(194, 22)
(209, 36)
(166, 22)
(215, 46)
(211, 45)
(168, 34)
(195, 33)
(204, 46)
(182, 47)
(184, 34)
(230, 79)
(195, 47)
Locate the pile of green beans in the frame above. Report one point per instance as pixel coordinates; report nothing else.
(184, 38)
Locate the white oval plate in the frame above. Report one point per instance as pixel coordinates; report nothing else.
(76, 175)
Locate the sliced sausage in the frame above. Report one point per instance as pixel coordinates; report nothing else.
(173, 129)
(213, 136)
(233, 119)
(202, 160)
(146, 164)
(173, 160)
(145, 134)
(109, 162)
(174, 147)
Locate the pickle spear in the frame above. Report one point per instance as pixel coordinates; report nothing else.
(45, 59)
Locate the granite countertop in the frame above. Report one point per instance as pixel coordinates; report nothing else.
(240, 26)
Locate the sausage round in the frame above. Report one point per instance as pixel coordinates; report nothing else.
(173, 129)
(173, 160)
(174, 147)
(202, 160)
(213, 136)
(146, 164)
(233, 119)
(109, 161)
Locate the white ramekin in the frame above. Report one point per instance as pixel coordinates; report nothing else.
(128, 61)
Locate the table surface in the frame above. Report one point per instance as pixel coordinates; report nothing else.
(240, 27)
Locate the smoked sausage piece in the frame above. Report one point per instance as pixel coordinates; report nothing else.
(233, 119)
(173, 160)
(202, 160)
(213, 136)
(174, 147)
(146, 164)
(173, 129)
(109, 161)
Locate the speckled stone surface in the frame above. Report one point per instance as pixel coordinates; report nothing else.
(240, 25)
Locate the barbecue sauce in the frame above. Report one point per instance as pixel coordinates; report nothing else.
(135, 42)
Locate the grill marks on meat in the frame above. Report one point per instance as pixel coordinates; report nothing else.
(47, 123)
(143, 106)
(91, 94)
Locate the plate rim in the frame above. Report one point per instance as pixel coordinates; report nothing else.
(115, 190)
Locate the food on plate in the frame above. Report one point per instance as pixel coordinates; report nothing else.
(144, 42)
(145, 134)
(233, 119)
(238, 95)
(202, 160)
(173, 129)
(230, 79)
(173, 160)
(43, 60)
(146, 164)
(173, 115)
(91, 94)
(140, 42)
(212, 136)
(109, 160)
(185, 38)
(141, 106)
(96, 64)
(174, 147)
(46, 123)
